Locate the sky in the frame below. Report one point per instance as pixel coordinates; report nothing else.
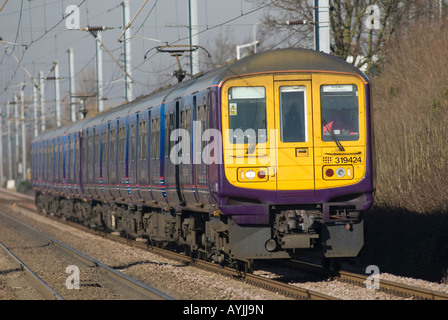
(36, 33)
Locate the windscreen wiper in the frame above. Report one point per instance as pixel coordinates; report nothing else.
(252, 146)
(333, 136)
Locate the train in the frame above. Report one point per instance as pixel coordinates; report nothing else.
(266, 157)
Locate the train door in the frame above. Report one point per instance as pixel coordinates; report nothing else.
(295, 144)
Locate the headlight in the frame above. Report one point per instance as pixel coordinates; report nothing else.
(340, 172)
(250, 175)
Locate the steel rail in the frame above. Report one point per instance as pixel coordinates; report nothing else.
(40, 285)
(138, 288)
(384, 285)
(395, 287)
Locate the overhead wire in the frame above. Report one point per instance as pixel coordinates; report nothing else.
(228, 21)
(34, 41)
(153, 8)
(242, 14)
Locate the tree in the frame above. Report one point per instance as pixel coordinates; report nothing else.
(360, 29)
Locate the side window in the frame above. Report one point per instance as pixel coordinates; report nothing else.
(97, 149)
(66, 157)
(122, 144)
(155, 141)
(84, 150)
(90, 149)
(169, 127)
(132, 143)
(203, 118)
(72, 156)
(112, 145)
(104, 146)
(53, 162)
(143, 140)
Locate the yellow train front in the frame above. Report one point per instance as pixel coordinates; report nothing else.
(297, 167)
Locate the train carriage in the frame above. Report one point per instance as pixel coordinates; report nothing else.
(268, 157)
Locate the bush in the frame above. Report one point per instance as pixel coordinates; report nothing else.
(411, 122)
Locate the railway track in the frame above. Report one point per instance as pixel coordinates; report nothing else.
(33, 279)
(287, 290)
(291, 291)
(128, 287)
(391, 287)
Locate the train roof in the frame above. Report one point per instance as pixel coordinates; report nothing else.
(280, 60)
(288, 60)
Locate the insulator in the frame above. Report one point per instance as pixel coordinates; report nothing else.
(98, 28)
(296, 22)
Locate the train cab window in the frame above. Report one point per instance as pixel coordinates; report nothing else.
(293, 112)
(340, 112)
(247, 114)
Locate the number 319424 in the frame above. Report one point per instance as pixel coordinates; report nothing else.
(345, 160)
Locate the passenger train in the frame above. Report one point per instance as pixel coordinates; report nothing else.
(268, 157)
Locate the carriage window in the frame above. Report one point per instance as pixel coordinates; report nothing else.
(132, 143)
(155, 139)
(340, 112)
(90, 150)
(293, 114)
(247, 114)
(84, 150)
(143, 148)
(72, 155)
(169, 127)
(122, 144)
(97, 148)
(113, 139)
(104, 147)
